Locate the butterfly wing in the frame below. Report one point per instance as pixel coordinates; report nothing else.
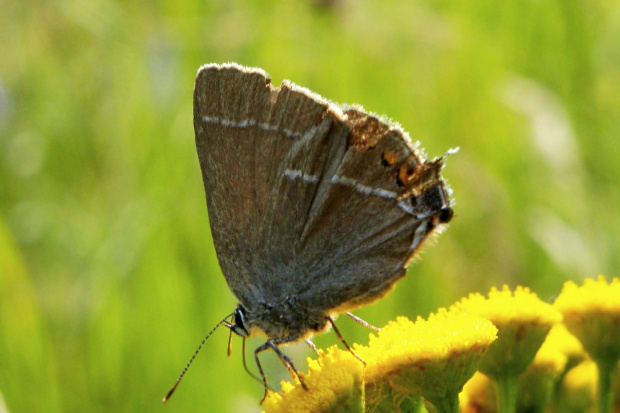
(305, 200)
(374, 212)
(246, 132)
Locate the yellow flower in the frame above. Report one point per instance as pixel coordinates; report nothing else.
(578, 389)
(536, 384)
(523, 322)
(592, 314)
(335, 384)
(562, 341)
(433, 357)
(478, 395)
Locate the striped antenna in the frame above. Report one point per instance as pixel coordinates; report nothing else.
(176, 384)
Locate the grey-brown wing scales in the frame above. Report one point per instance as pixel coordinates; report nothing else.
(382, 202)
(247, 131)
(299, 192)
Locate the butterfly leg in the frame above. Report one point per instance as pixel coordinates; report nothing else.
(312, 346)
(342, 339)
(362, 322)
(288, 363)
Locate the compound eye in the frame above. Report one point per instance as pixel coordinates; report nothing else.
(446, 215)
(240, 319)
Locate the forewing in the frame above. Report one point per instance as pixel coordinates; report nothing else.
(252, 139)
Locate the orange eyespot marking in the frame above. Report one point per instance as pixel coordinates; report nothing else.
(405, 173)
(389, 158)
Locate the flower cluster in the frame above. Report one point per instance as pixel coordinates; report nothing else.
(334, 384)
(433, 358)
(504, 352)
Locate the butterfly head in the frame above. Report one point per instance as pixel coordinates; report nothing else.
(239, 324)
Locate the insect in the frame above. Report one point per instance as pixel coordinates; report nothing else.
(315, 208)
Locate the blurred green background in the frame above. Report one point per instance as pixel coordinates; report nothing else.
(108, 276)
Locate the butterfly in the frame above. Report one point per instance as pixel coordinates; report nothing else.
(315, 208)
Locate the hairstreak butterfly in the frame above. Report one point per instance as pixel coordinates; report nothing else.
(315, 208)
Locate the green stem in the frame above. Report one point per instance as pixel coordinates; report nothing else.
(506, 393)
(606, 373)
(448, 404)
